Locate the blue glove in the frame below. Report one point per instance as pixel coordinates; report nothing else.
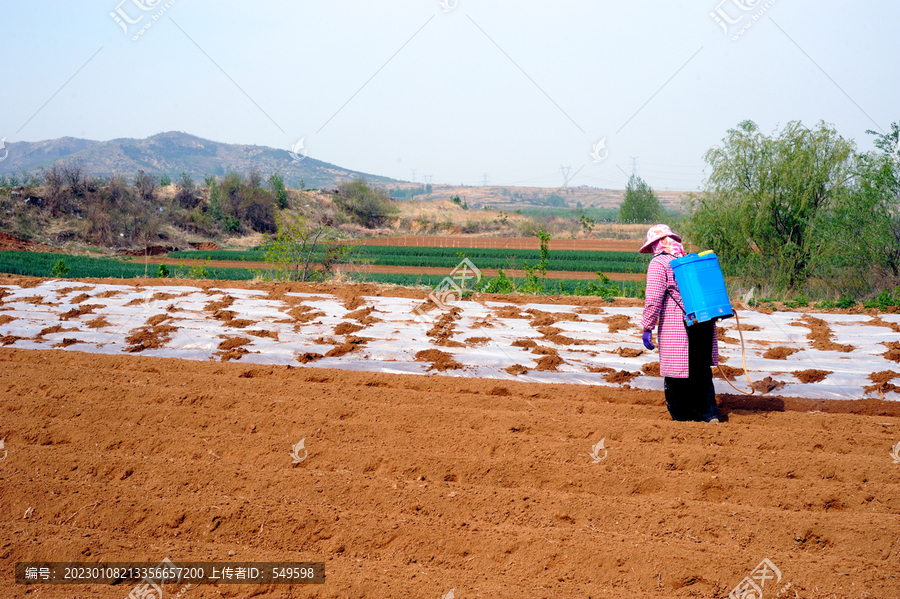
(648, 340)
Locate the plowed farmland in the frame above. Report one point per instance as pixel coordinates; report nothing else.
(416, 485)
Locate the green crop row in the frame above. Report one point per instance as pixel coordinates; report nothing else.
(431, 257)
(37, 264)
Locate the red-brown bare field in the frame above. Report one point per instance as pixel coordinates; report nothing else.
(507, 243)
(415, 485)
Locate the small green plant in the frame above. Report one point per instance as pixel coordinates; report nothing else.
(162, 272)
(602, 287)
(164, 180)
(846, 302)
(199, 271)
(533, 284)
(59, 270)
(276, 183)
(886, 300)
(826, 305)
(500, 284)
(545, 250)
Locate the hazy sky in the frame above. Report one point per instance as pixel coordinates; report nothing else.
(515, 90)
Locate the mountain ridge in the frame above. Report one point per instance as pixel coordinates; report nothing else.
(171, 153)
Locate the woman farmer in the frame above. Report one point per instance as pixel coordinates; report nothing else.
(685, 353)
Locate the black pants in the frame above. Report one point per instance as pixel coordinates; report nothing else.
(694, 398)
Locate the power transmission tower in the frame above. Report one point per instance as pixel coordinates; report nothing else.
(484, 180)
(428, 178)
(414, 175)
(565, 173)
(634, 164)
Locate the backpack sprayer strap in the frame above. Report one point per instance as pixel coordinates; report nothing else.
(669, 288)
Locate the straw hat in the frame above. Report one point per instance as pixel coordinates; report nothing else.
(656, 233)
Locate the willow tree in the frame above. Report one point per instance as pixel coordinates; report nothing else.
(767, 203)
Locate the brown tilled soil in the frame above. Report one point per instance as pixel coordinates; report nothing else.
(151, 336)
(820, 334)
(308, 357)
(416, 485)
(651, 369)
(79, 311)
(879, 322)
(98, 323)
(350, 345)
(767, 385)
(883, 383)
(57, 328)
(619, 322)
(440, 361)
(347, 328)
(444, 328)
(723, 338)
(779, 353)
(549, 363)
(364, 316)
(812, 376)
(893, 352)
(731, 373)
(509, 312)
(304, 314)
(884, 376)
(627, 352)
(621, 376)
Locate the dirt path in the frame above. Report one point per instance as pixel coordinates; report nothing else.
(416, 485)
(412, 270)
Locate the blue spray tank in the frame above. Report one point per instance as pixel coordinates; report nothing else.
(702, 287)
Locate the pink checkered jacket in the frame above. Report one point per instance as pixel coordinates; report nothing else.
(665, 309)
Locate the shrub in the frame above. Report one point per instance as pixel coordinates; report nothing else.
(279, 191)
(365, 205)
(59, 270)
(304, 250)
(500, 284)
(162, 272)
(145, 185)
(186, 196)
(846, 302)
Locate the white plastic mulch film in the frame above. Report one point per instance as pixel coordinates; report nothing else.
(185, 322)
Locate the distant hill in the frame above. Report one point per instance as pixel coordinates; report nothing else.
(171, 153)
